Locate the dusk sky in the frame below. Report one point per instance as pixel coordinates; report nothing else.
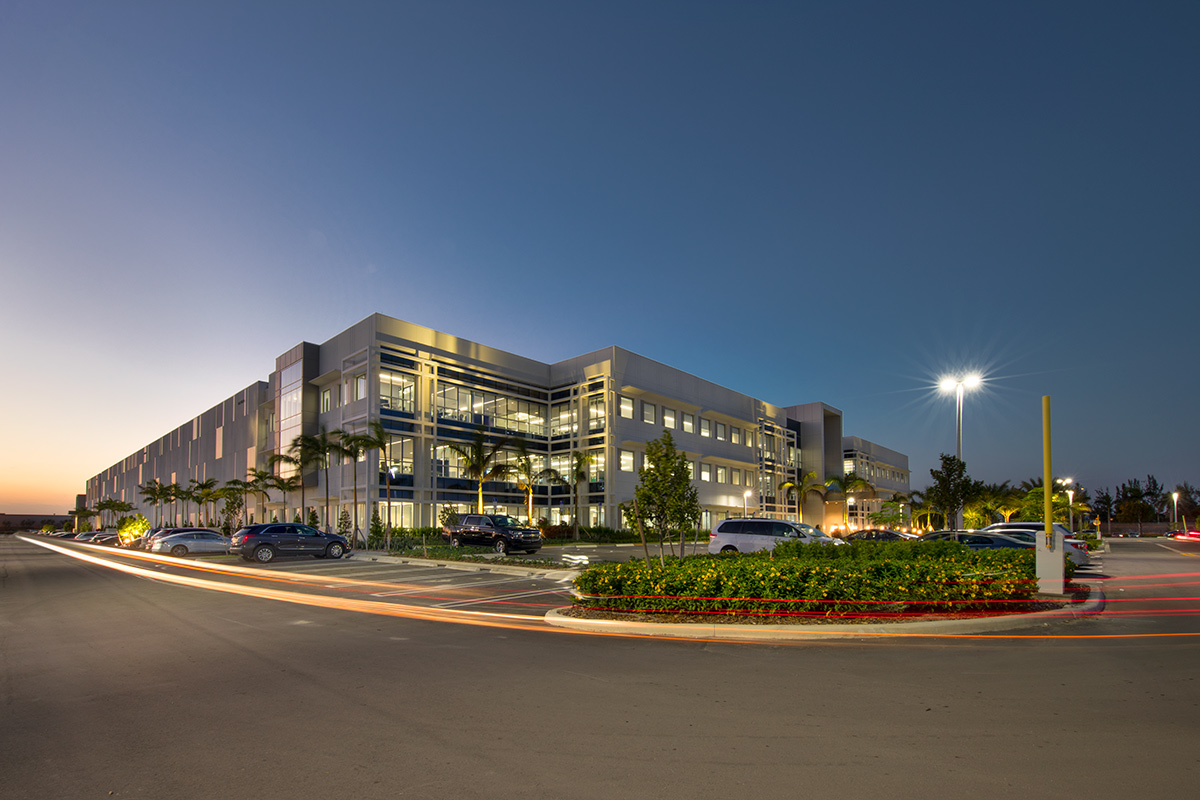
(804, 201)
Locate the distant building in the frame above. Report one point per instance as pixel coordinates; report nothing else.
(430, 389)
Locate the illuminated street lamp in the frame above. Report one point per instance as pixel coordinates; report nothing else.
(958, 385)
(1175, 521)
(746, 503)
(1070, 501)
(849, 509)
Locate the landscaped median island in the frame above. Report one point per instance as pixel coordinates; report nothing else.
(805, 583)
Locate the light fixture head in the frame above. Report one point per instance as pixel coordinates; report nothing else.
(971, 381)
(948, 384)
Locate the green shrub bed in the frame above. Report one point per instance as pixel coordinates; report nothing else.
(876, 580)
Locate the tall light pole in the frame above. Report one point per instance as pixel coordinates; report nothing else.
(958, 386)
(746, 503)
(1175, 521)
(849, 510)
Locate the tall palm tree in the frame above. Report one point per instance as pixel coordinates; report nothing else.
(809, 484)
(528, 476)
(480, 460)
(577, 472)
(171, 495)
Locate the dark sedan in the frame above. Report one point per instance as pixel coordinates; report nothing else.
(263, 542)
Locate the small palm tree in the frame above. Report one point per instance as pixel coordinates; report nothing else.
(577, 472)
(241, 488)
(261, 481)
(285, 485)
(202, 493)
(809, 484)
(377, 438)
(527, 476)
(480, 461)
(847, 486)
(353, 446)
(300, 455)
(153, 493)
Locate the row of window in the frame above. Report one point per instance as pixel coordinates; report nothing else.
(685, 422)
(709, 473)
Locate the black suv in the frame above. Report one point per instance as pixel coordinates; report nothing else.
(262, 543)
(497, 531)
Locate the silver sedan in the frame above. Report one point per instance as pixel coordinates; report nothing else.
(181, 544)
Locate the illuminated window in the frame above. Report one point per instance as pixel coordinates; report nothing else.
(360, 387)
(692, 469)
(706, 472)
(625, 407)
(326, 402)
(689, 423)
(648, 413)
(668, 417)
(626, 457)
(722, 474)
(720, 431)
(735, 477)
(705, 427)
(735, 435)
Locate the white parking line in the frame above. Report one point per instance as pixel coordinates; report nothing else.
(498, 598)
(446, 581)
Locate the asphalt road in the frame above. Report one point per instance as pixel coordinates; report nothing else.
(123, 685)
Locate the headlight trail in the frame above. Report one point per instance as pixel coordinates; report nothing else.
(516, 621)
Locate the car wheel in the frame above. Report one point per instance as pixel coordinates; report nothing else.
(179, 551)
(264, 554)
(729, 549)
(454, 542)
(335, 550)
(500, 545)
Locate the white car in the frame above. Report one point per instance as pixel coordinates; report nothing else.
(181, 544)
(1076, 549)
(750, 535)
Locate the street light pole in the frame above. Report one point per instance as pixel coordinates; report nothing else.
(959, 385)
(746, 503)
(1175, 521)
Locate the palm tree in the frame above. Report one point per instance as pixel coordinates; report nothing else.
(261, 482)
(809, 484)
(325, 444)
(285, 485)
(480, 460)
(241, 488)
(377, 438)
(153, 492)
(848, 486)
(576, 473)
(353, 446)
(527, 476)
(202, 491)
(301, 454)
(187, 494)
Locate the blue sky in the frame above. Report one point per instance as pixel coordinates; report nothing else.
(801, 201)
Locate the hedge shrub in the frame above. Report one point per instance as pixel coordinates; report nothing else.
(878, 580)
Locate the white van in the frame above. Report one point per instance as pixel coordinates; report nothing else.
(749, 535)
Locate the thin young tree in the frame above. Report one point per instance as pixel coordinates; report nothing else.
(354, 447)
(152, 492)
(666, 500)
(377, 438)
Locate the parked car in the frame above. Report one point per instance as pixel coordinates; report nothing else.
(158, 533)
(182, 544)
(497, 531)
(879, 535)
(977, 540)
(751, 535)
(87, 536)
(108, 538)
(264, 541)
(1076, 549)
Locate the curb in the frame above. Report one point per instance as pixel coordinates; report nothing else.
(783, 633)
